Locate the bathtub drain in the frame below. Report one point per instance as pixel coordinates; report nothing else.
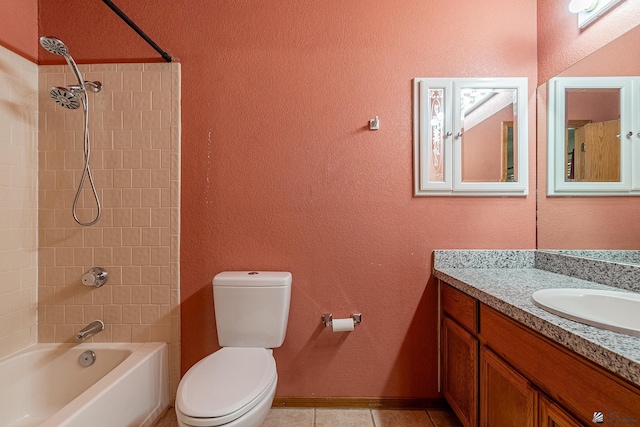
(87, 358)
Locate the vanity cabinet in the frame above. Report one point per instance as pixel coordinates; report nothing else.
(460, 354)
(551, 415)
(506, 397)
(516, 377)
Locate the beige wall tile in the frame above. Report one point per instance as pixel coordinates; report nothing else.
(135, 162)
(18, 212)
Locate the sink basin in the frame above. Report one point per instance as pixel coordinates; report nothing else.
(612, 310)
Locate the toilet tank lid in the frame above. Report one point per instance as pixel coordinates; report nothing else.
(253, 279)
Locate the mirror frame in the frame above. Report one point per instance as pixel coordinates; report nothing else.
(556, 128)
(453, 184)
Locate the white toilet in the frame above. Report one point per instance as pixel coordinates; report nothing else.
(235, 386)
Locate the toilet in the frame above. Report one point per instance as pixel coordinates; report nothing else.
(235, 386)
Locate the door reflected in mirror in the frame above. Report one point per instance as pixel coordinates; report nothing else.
(592, 139)
(487, 134)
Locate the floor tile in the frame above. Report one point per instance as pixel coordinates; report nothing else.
(404, 418)
(343, 417)
(299, 417)
(325, 417)
(168, 419)
(444, 418)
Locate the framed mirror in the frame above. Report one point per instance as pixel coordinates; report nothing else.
(470, 137)
(590, 141)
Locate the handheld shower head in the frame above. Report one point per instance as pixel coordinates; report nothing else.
(72, 97)
(65, 97)
(54, 45)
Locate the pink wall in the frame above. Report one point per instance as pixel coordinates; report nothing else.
(597, 106)
(280, 171)
(618, 58)
(482, 148)
(19, 27)
(561, 43)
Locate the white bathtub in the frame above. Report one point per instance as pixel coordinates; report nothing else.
(45, 385)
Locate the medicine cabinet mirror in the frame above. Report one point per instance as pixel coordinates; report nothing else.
(591, 138)
(470, 137)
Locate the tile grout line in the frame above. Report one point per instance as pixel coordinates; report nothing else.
(373, 420)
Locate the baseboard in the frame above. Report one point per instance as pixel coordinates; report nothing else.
(358, 402)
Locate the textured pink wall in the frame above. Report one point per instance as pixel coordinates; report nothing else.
(482, 148)
(561, 43)
(280, 171)
(19, 27)
(595, 106)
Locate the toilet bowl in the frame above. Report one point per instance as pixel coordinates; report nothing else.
(233, 387)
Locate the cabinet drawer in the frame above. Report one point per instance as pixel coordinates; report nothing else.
(460, 306)
(574, 382)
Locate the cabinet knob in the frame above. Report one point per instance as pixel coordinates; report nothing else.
(629, 134)
(451, 133)
(459, 135)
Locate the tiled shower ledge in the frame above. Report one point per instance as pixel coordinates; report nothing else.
(505, 280)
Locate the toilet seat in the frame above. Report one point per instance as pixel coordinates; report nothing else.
(225, 385)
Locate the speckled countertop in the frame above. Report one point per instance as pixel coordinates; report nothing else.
(505, 280)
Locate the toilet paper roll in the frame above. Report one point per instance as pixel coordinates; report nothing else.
(342, 325)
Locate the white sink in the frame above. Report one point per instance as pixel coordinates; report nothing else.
(612, 310)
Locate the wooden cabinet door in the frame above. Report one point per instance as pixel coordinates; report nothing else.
(597, 152)
(460, 371)
(507, 399)
(551, 415)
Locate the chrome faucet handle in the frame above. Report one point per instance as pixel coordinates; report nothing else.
(95, 277)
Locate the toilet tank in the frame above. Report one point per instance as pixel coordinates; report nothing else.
(252, 307)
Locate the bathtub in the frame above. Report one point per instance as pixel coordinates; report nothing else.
(45, 385)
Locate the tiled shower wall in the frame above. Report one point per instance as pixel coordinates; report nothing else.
(18, 201)
(135, 132)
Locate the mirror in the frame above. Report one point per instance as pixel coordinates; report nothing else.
(470, 137)
(587, 222)
(487, 122)
(592, 135)
(630, 257)
(590, 140)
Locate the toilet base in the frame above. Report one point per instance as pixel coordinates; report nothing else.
(254, 418)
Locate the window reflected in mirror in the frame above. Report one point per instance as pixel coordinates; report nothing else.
(488, 136)
(592, 136)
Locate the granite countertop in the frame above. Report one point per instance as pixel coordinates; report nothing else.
(505, 281)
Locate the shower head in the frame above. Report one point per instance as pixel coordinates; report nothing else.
(54, 45)
(65, 97)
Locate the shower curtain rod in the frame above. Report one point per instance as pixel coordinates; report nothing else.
(137, 29)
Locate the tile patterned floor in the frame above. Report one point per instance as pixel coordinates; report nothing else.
(328, 417)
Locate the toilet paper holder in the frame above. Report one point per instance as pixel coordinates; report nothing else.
(327, 319)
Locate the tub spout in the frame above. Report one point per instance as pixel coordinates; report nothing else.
(88, 331)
